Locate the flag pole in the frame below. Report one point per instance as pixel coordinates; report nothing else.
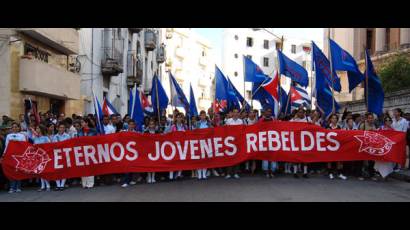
(311, 79)
(279, 75)
(331, 68)
(289, 98)
(366, 89)
(157, 99)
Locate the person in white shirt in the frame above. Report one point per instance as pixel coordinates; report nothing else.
(235, 120)
(61, 136)
(108, 128)
(15, 135)
(399, 124)
(301, 117)
(252, 119)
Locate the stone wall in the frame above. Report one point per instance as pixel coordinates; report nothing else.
(399, 99)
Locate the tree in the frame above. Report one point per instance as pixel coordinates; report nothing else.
(395, 73)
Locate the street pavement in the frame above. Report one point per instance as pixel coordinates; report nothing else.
(247, 189)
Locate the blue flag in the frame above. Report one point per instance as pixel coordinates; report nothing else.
(343, 61)
(136, 111)
(178, 98)
(284, 101)
(324, 101)
(239, 96)
(192, 104)
(98, 114)
(253, 73)
(322, 70)
(162, 101)
(374, 94)
(293, 70)
(221, 92)
(233, 101)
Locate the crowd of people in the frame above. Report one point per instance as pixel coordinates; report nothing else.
(48, 127)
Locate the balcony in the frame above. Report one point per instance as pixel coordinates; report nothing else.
(150, 40)
(65, 40)
(161, 54)
(111, 67)
(40, 78)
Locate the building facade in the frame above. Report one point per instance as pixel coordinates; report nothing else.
(39, 64)
(189, 57)
(381, 42)
(114, 59)
(260, 46)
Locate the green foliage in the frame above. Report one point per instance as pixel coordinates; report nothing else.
(395, 73)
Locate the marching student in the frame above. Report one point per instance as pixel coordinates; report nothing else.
(250, 120)
(41, 138)
(399, 124)
(335, 167)
(234, 120)
(127, 177)
(178, 125)
(60, 136)
(368, 166)
(87, 130)
(50, 130)
(300, 116)
(15, 135)
(203, 123)
(268, 167)
(152, 129)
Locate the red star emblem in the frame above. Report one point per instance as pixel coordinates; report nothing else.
(374, 143)
(34, 160)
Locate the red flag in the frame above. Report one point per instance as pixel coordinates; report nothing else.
(272, 86)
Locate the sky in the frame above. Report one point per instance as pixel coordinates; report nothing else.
(214, 35)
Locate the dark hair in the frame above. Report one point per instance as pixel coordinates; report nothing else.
(68, 121)
(131, 121)
(43, 129)
(350, 118)
(61, 123)
(333, 115)
(49, 124)
(387, 118)
(126, 115)
(399, 111)
(88, 121)
(369, 114)
(202, 112)
(15, 123)
(105, 115)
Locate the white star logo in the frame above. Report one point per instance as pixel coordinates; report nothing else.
(374, 143)
(33, 161)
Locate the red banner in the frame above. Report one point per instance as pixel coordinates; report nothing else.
(206, 148)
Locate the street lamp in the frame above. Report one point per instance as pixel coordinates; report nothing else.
(266, 30)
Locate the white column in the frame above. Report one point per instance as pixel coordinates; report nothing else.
(404, 37)
(380, 40)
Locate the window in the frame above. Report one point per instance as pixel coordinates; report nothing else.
(236, 55)
(369, 40)
(266, 62)
(278, 45)
(249, 42)
(152, 65)
(236, 37)
(387, 46)
(265, 44)
(235, 74)
(249, 56)
(36, 53)
(203, 53)
(293, 50)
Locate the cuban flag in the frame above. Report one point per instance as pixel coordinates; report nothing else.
(272, 87)
(146, 104)
(107, 108)
(298, 97)
(221, 92)
(98, 114)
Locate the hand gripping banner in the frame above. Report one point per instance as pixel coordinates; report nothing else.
(205, 148)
